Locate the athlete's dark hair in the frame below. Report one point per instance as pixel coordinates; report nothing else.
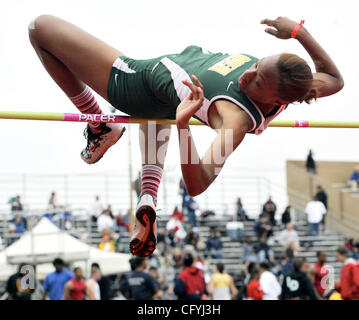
(265, 265)
(138, 262)
(295, 79)
(188, 260)
(58, 261)
(319, 253)
(343, 251)
(76, 268)
(297, 264)
(95, 265)
(220, 267)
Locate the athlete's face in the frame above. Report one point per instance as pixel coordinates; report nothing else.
(260, 82)
(79, 274)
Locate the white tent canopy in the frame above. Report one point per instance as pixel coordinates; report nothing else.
(45, 242)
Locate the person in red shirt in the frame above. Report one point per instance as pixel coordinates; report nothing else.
(254, 290)
(349, 275)
(319, 274)
(75, 289)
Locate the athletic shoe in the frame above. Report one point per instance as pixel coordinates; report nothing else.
(98, 143)
(144, 235)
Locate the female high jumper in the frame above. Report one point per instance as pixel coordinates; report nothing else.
(237, 93)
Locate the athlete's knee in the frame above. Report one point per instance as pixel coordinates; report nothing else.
(37, 26)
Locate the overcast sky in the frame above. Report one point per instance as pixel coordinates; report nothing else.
(146, 29)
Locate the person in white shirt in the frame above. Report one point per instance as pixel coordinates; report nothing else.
(105, 222)
(288, 238)
(92, 287)
(315, 211)
(96, 208)
(269, 283)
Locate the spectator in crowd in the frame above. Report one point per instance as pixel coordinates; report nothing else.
(297, 285)
(248, 251)
(191, 238)
(288, 238)
(96, 208)
(104, 282)
(54, 282)
(92, 286)
(121, 225)
(75, 289)
(214, 245)
(322, 196)
(183, 192)
(240, 212)
(190, 284)
(177, 257)
(315, 211)
(270, 209)
(142, 286)
(263, 226)
(354, 178)
(221, 285)
(189, 209)
(167, 273)
(254, 290)
(104, 221)
(354, 252)
(16, 204)
(19, 224)
(124, 287)
(286, 217)
(287, 262)
(269, 282)
(319, 274)
(310, 163)
(14, 287)
(53, 205)
(137, 185)
(175, 230)
(178, 213)
(263, 251)
(349, 275)
(107, 244)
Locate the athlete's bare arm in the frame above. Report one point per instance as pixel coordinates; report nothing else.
(198, 174)
(68, 288)
(329, 78)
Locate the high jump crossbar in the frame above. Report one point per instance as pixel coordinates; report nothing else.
(76, 117)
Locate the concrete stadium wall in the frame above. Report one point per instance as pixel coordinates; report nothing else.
(343, 213)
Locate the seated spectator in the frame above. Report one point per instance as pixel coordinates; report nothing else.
(16, 204)
(214, 245)
(107, 244)
(270, 209)
(177, 257)
(263, 251)
(175, 230)
(121, 224)
(190, 284)
(269, 283)
(221, 285)
(249, 254)
(190, 208)
(167, 273)
(191, 238)
(240, 212)
(105, 222)
(235, 230)
(288, 238)
(286, 218)
(177, 213)
(354, 178)
(297, 285)
(254, 290)
(19, 224)
(263, 227)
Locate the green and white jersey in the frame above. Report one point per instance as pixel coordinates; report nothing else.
(160, 87)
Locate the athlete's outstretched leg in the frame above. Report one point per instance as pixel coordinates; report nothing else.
(153, 142)
(75, 59)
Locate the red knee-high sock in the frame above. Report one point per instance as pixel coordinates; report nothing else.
(151, 179)
(86, 103)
